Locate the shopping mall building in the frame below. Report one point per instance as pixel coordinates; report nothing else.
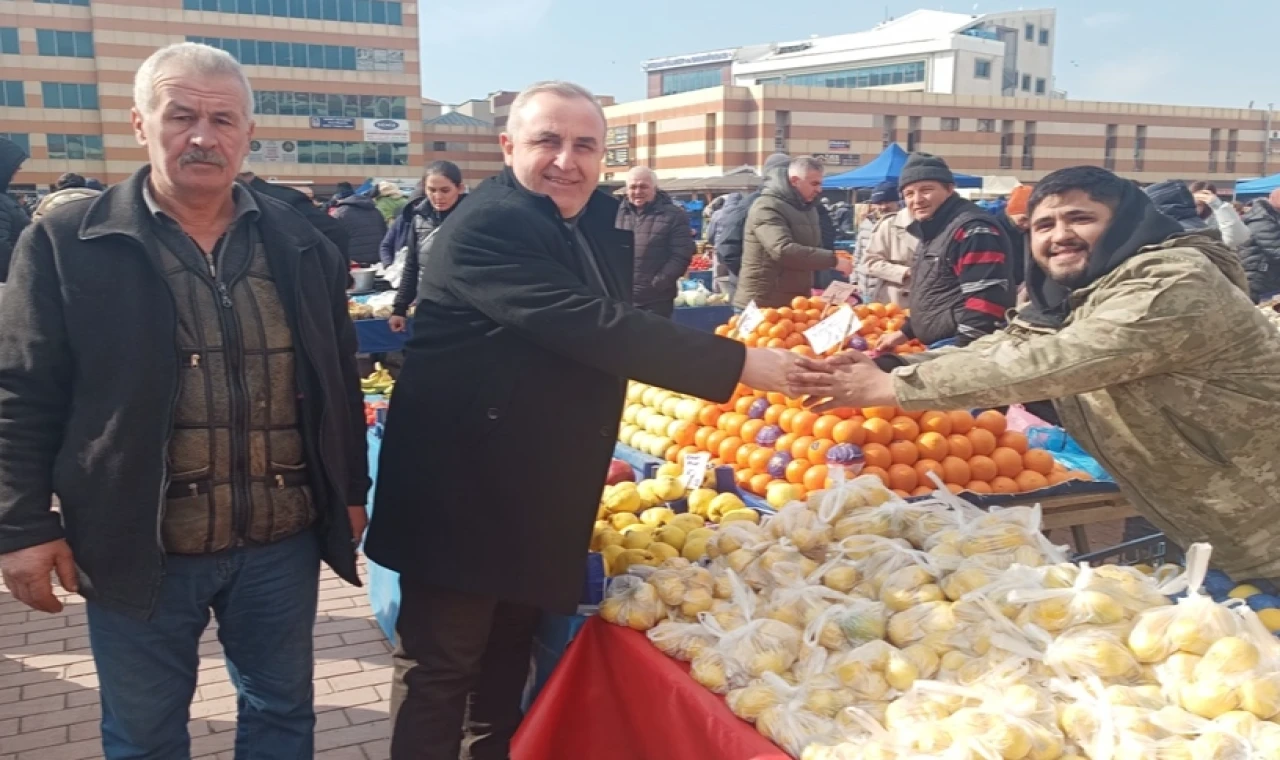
(337, 85)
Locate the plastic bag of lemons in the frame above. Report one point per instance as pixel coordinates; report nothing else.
(632, 602)
(1192, 625)
(759, 645)
(798, 604)
(738, 544)
(802, 527)
(685, 588)
(848, 624)
(1012, 532)
(682, 641)
(846, 496)
(913, 584)
(790, 723)
(1092, 599)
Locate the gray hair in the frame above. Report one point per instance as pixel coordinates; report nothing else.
(643, 172)
(802, 165)
(567, 90)
(193, 57)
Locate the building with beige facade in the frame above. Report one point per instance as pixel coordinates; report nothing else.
(709, 132)
(337, 92)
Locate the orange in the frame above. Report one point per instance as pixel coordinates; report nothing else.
(878, 430)
(686, 451)
(804, 350)
(961, 421)
(983, 468)
(926, 466)
(784, 442)
(1058, 466)
(813, 315)
(1079, 475)
(935, 422)
(728, 449)
(743, 405)
(955, 489)
(770, 315)
(800, 447)
(1029, 480)
(901, 494)
(794, 339)
(849, 431)
(672, 453)
(796, 470)
(877, 455)
(683, 433)
(799, 303)
(700, 438)
(993, 421)
(881, 412)
(878, 472)
(750, 341)
(774, 413)
(749, 430)
(817, 453)
(903, 477)
(786, 312)
(735, 423)
(815, 478)
(904, 429)
(1056, 478)
(979, 486)
(844, 412)
(913, 415)
(714, 440)
(763, 329)
(825, 426)
(708, 415)
(983, 440)
(878, 310)
(722, 330)
(1038, 460)
(743, 478)
(861, 311)
(802, 423)
(933, 446)
(760, 483)
(784, 419)
(956, 470)
(1008, 462)
(1004, 485)
(960, 446)
(922, 491)
(758, 459)
(776, 398)
(780, 330)
(1013, 440)
(775, 343)
(904, 452)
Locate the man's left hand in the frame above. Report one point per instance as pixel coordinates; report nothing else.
(849, 379)
(359, 521)
(1208, 198)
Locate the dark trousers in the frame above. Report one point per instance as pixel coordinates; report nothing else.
(461, 663)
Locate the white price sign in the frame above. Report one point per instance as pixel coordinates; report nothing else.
(833, 330)
(750, 319)
(695, 470)
(838, 292)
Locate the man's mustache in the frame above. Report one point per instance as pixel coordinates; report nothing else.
(201, 156)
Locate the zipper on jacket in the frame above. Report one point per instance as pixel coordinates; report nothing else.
(238, 400)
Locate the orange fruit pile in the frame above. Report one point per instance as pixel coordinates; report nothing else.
(784, 327)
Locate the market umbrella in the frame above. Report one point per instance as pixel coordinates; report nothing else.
(1260, 186)
(886, 166)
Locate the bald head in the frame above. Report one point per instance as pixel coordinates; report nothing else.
(1274, 198)
(642, 186)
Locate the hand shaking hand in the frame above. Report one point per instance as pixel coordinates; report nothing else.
(777, 370)
(848, 379)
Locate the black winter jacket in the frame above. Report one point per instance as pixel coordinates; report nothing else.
(664, 247)
(731, 231)
(13, 219)
(327, 225)
(364, 224)
(414, 221)
(89, 373)
(1260, 255)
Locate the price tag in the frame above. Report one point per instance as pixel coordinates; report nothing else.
(833, 331)
(695, 470)
(750, 319)
(838, 292)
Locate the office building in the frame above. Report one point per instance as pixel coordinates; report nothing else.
(337, 92)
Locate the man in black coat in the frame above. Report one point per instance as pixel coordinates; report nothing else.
(327, 225)
(13, 218)
(504, 419)
(663, 241)
(1260, 254)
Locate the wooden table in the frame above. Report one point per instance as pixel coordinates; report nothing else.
(1077, 511)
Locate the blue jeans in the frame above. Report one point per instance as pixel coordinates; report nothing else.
(265, 601)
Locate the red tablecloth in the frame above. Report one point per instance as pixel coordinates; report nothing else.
(614, 695)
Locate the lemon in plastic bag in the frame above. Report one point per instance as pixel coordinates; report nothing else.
(632, 602)
(1261, 696)
(1227, 657)
(1085, 652)
(1208, 699)
(682, 641)
(751, 700)
(842, 577)
(1217, 745)
(910, 626)
(710, 669)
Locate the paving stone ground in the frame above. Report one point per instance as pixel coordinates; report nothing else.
(49, 688)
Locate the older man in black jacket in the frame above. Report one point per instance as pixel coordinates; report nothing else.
(663, 241)
(13, 219)
(504, 419)
(177, 366)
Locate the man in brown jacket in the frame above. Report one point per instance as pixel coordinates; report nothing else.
(782, 244)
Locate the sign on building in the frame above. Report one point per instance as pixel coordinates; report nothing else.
(333, 122)
(617, 157)
(837, 144)
(386, 130)
(273, 151)
(379, 59)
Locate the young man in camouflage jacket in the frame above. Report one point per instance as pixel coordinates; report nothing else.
(1156, 360)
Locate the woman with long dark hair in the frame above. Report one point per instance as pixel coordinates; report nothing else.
(415, 228)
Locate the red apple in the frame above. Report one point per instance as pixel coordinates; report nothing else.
(619, 472)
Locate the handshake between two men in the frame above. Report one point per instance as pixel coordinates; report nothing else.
(848, 379)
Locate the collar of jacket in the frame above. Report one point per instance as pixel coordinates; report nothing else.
(780, 187)
(121, 211)
(599, 205)
(935, 224)
(422, 207)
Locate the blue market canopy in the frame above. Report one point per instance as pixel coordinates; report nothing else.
(1261, 186)
(886, 166)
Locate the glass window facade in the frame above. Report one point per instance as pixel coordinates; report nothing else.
(75, 147)
(9, 40)
(687, 81)
(20, 139)
(65, 44)
(263, 53)
(866, 76)
(11, 94)
(281, 103)
(67, 95)
(360, 11)
(982, 69)
(366, 153)
(84, 3)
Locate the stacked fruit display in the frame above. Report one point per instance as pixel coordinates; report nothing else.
(784, 327)
(769, 439)
(701, 262)
(378, 383)
(856, 626)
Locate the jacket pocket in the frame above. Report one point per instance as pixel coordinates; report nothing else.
(1195, 438)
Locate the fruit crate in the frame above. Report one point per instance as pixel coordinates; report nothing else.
(1154, 550)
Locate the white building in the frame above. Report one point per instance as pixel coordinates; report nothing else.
(1009, 54)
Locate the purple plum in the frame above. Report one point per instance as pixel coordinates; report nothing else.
(844, 455)
(778, 464)
(858, 343)
(768, 435)
(758, 408)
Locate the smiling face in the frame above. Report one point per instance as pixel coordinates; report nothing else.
(556, 149)
(641, 189)
(1065, 230)
(196, 133)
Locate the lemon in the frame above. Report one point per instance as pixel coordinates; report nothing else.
(1271, 619)
(1244, 591)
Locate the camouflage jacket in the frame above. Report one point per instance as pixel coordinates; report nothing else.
(1168, 375)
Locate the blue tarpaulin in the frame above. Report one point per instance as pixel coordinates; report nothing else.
(1261, 186)
(886, 166)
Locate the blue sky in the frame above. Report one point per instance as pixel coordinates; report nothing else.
(1190, 52)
